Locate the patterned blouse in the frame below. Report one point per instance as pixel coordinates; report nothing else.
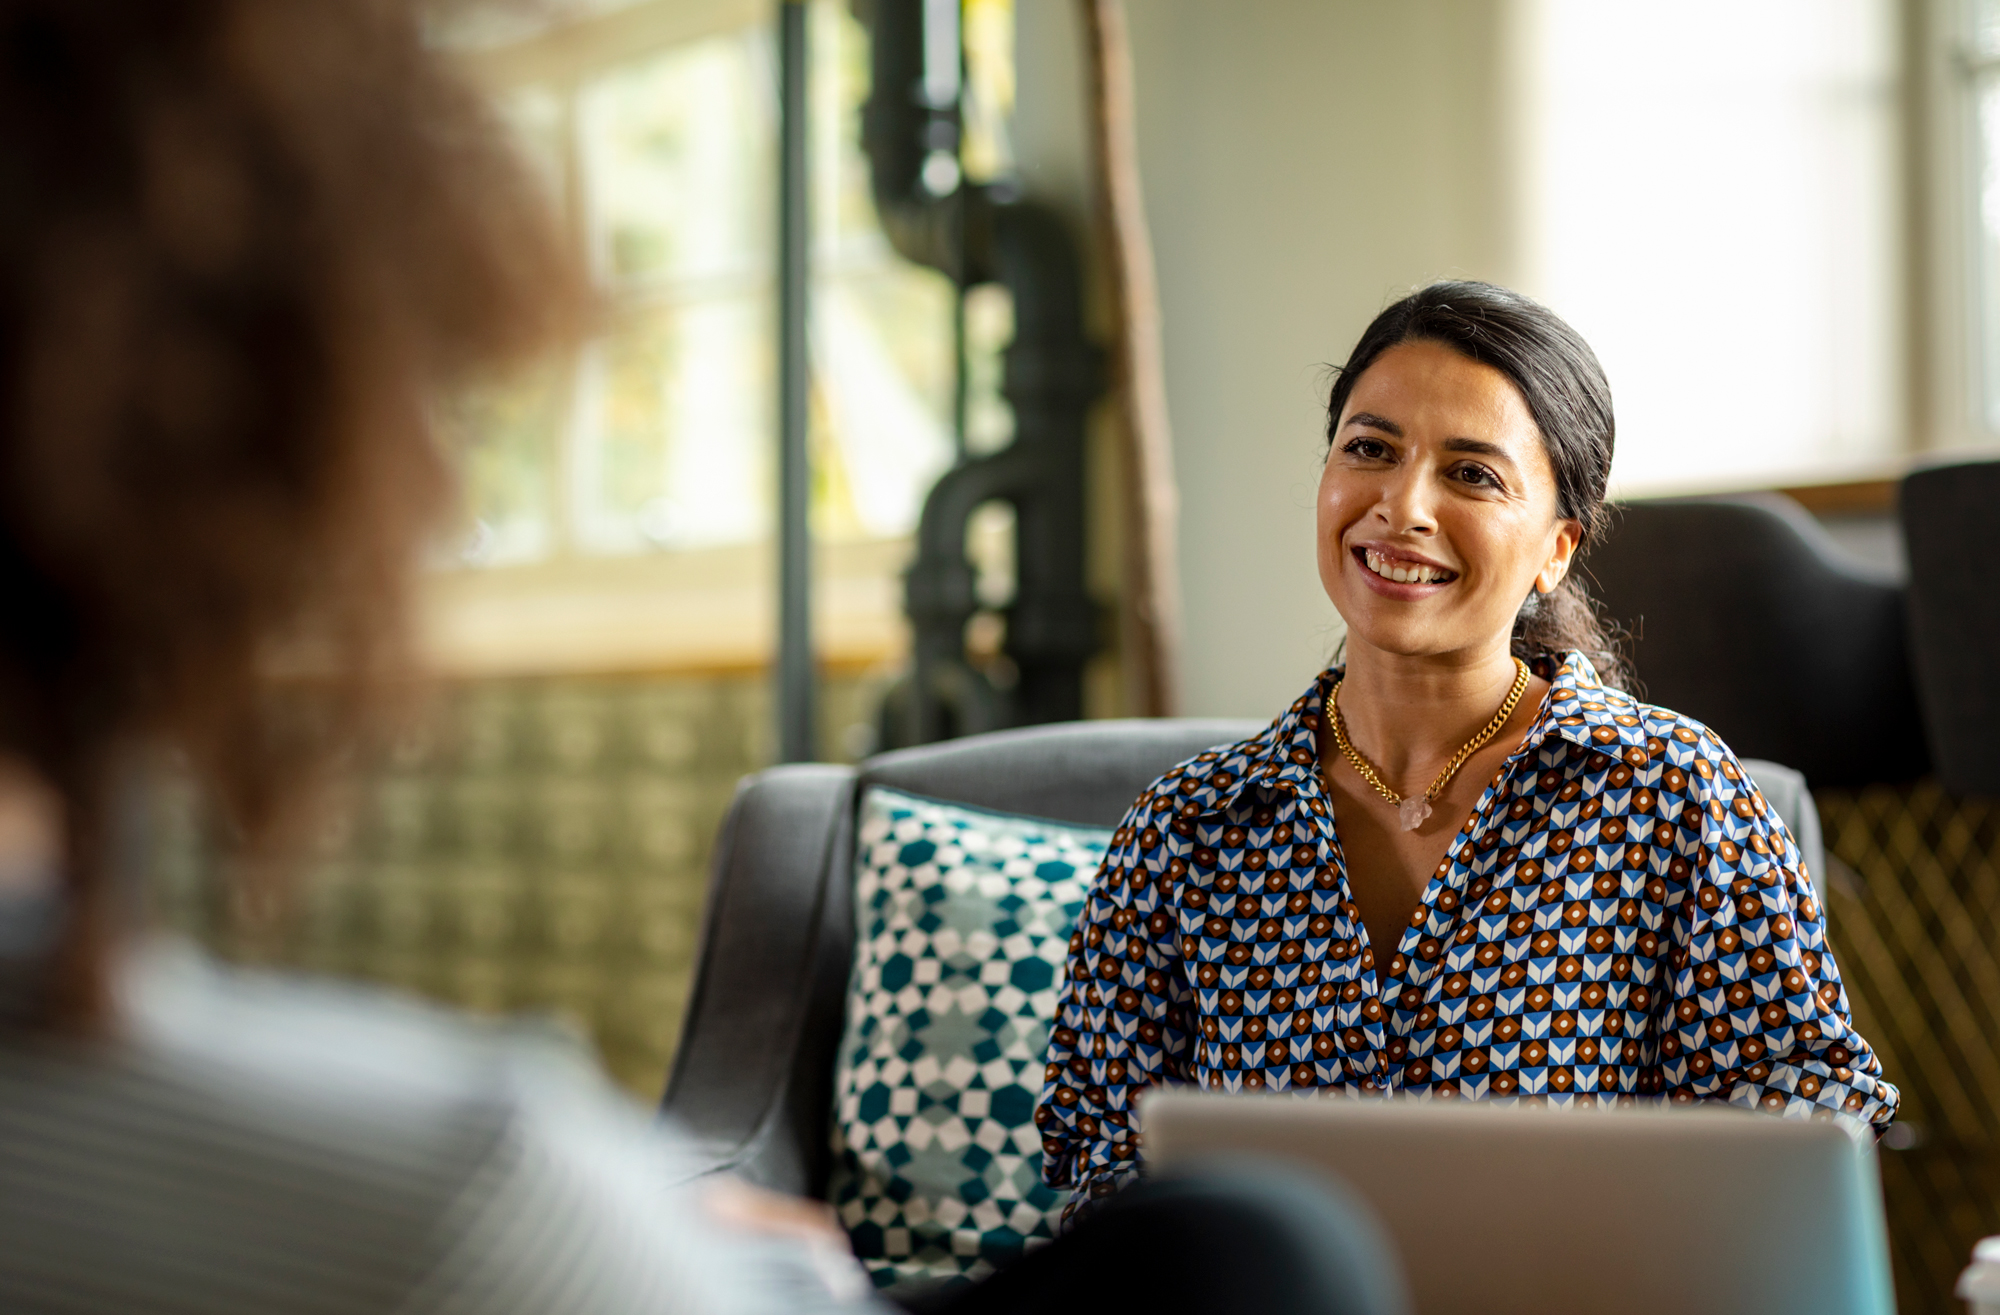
(1622, 918)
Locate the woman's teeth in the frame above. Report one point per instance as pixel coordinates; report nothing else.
(1403, 572)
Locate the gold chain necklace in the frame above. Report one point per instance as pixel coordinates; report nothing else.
(1411, 812)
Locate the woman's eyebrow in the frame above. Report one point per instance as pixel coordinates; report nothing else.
(1373, 421)
(1478, 447)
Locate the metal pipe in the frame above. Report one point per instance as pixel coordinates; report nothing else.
(977, 234)
(795, 655)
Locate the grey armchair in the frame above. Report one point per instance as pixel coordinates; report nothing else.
(1744, 614)
(753, 1078)
(1947, 515)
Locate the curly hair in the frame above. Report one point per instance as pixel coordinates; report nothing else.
(1559, 378)
(243, 244)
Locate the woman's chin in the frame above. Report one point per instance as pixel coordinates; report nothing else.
(1407, 637)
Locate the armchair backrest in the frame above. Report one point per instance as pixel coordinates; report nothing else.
(1947, 514)
(1744, 614)
(1087, 772)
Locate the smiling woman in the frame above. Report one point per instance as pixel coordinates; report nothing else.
(1465, 864)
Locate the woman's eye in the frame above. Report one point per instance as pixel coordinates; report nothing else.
(1477, 476)
(1372, 449)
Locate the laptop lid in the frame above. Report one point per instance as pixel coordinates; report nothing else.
(1648, 1211)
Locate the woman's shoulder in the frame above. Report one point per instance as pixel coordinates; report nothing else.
(1282, 747)
(1610, 714)
(305, 1122)
(1695, 760)
(361, 1081)
(290, 1037)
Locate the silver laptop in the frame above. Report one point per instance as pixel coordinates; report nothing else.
(1568, 1212)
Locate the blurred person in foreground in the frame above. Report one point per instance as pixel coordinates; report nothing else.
(244, 245)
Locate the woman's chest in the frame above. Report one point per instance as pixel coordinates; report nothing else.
(1542, 942)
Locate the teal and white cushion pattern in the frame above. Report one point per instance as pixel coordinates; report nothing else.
(962, 922)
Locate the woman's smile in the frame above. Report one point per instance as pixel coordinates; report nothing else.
(1399, 573)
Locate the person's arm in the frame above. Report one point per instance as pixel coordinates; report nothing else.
(1121, 1017)
(1756, 1014)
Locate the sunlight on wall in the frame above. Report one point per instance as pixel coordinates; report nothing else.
(1710, 197)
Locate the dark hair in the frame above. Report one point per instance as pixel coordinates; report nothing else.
(1558, 376)
(242, 244)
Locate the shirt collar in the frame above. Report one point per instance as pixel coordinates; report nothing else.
(1578, 708)
(1585, 711)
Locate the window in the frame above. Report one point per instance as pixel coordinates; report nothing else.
(1977, 51)
(644, 466)
(1713, 200)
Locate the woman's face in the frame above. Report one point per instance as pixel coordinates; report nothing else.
(1437, 475)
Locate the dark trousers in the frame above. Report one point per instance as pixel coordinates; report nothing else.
(1254, 1241)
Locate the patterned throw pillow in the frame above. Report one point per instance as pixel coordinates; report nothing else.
(963, 920)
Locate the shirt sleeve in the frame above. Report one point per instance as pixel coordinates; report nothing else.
(1757, 1015)
(1121, 1016)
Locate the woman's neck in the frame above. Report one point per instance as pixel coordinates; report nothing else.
(1409, 715)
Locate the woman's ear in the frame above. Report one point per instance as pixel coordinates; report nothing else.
(1568, 538)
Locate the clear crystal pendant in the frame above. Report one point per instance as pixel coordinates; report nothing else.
(1412, 812)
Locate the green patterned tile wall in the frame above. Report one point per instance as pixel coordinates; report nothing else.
(534, 846)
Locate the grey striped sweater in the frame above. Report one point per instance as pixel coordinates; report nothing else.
(262, 1145)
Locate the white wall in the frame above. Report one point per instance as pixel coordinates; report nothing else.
(1721, 219)
(1305, 162)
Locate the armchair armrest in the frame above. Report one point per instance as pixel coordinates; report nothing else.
(1785, 790)
(750, 1078)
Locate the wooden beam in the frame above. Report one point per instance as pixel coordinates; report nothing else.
(1151, 614)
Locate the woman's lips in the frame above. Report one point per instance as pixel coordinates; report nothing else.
(1421, 579)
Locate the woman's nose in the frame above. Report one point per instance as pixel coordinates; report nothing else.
(1405, 506)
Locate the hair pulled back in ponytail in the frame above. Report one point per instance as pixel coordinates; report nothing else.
(1559, 377)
